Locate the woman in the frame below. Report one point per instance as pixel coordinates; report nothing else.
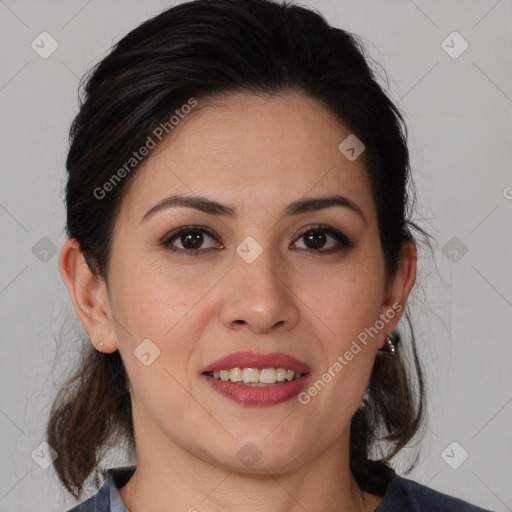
(240, 256)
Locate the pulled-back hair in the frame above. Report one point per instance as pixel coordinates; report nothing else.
(201, 49)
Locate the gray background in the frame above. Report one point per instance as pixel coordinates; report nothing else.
(459, 115)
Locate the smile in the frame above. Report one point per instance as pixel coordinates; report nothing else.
(253, 379)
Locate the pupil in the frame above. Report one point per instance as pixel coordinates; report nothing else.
(316, 238)
(195, 239)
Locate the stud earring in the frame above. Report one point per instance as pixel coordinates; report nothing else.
(390, 346)
(101, 346)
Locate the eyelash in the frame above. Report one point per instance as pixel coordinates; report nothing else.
(343, 240)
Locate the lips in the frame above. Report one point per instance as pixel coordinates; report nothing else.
(258, 361)
(258, 396)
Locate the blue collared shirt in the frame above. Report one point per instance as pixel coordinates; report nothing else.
(403, 495)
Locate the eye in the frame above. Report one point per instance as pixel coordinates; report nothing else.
(191, 238)
(316, 239)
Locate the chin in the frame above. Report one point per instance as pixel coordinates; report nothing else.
(261, 454)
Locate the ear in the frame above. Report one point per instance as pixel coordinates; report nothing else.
(397, 290)
(89, 296)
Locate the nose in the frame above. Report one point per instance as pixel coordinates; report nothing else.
(259, 296)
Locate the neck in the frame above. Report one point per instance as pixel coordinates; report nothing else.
(173, 479)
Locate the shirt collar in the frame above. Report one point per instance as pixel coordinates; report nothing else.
(114, 480)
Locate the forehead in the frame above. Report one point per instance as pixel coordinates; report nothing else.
(254, 153)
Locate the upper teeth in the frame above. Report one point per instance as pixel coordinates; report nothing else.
(254, 375)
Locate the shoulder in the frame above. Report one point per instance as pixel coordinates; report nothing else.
(107, 497)
(404, 495)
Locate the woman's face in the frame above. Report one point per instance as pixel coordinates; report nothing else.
(262, 274)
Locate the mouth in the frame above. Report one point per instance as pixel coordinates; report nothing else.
(253, 379)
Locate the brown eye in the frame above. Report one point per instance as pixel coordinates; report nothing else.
(316, 240)
(190, 240)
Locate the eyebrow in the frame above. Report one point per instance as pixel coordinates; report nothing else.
(215, 208)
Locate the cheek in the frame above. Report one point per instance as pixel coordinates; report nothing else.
(347, 301)
(165, 311)
(153, 306)
(155, 301)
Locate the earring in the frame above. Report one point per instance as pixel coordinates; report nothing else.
(390, 346)
(101, 346)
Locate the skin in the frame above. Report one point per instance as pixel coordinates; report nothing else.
(256, 155)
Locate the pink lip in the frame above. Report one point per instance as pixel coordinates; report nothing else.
(259, 361)
(258, 396)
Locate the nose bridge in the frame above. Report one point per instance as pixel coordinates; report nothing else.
(259, 294)
(258, 268)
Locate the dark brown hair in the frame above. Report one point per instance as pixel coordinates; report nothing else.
(201, 49)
